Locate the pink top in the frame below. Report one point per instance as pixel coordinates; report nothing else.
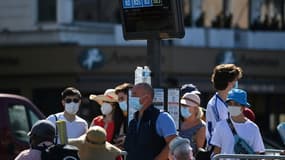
(31, 154)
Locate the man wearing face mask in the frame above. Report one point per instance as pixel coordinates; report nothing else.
(75, 126)
(224, 78)
(223, 138)
(150, 131)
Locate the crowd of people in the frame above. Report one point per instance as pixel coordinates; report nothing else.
(152, 134)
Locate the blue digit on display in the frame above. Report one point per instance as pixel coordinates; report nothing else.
(147, 3)
(127, 3)
(137, 3)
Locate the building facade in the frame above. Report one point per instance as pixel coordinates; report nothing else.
(46, 46)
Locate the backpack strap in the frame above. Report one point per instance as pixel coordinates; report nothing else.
(215, 110)
(56, 130)
(40, 148)
(231, 125)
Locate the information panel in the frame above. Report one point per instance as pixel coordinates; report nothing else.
(173, 104)
(145, 19)
(141, 3)
(158, 99)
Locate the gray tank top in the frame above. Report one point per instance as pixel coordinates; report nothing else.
(190, 133)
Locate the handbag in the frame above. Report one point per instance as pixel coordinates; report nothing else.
(203, 154)
(240, 146)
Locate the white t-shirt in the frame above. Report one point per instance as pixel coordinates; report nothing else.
(74, 129)
(216, 110)
(249, 131)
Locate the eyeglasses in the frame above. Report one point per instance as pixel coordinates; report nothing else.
(69, 100)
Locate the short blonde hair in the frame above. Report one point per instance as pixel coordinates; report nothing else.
(200, 113)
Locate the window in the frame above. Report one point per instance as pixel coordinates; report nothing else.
(21, 119)
(46, 10)
(267, 15)
(33, 117)
(19, 122)
(96, 11)
(225, 13)
(213, 12)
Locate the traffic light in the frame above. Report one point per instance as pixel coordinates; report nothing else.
(145, 19)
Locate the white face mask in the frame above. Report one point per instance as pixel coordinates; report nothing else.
(106, 108)
(234, 110)
(72, 108)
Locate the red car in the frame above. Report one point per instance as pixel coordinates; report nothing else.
(17, 115)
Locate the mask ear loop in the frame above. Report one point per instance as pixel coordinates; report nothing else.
(142, 98)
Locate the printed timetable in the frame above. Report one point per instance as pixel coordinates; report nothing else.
(141, 3)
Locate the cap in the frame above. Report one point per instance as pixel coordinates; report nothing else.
(123, 86)
(96, 138)
(189, 88)
(43, 128)
(96, 135)
(108, 96)
(190, 99)
(177, 142)
(239, 96)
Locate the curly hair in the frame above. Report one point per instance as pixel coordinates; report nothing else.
(224, 73)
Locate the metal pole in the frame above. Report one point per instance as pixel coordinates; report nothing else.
(248, 156)
(153, 60)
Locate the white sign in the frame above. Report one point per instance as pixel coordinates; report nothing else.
(158, 99)
(173, 105)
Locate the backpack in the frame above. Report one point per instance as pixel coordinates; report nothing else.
(59, 152)
(203, 154)
(240, 146)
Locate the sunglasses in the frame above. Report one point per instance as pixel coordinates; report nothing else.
(69, 100)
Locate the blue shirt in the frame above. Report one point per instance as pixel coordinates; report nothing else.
(165, 125)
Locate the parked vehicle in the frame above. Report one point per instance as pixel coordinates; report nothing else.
(17, 115)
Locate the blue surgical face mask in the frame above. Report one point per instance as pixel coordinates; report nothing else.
(185, 113)
(236, 84)
(135, 103)
(123, 105)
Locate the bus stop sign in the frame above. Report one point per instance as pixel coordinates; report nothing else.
(146, 19)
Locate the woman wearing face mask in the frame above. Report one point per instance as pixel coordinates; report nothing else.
(192, 127)
(122, 93)
(112, 116)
